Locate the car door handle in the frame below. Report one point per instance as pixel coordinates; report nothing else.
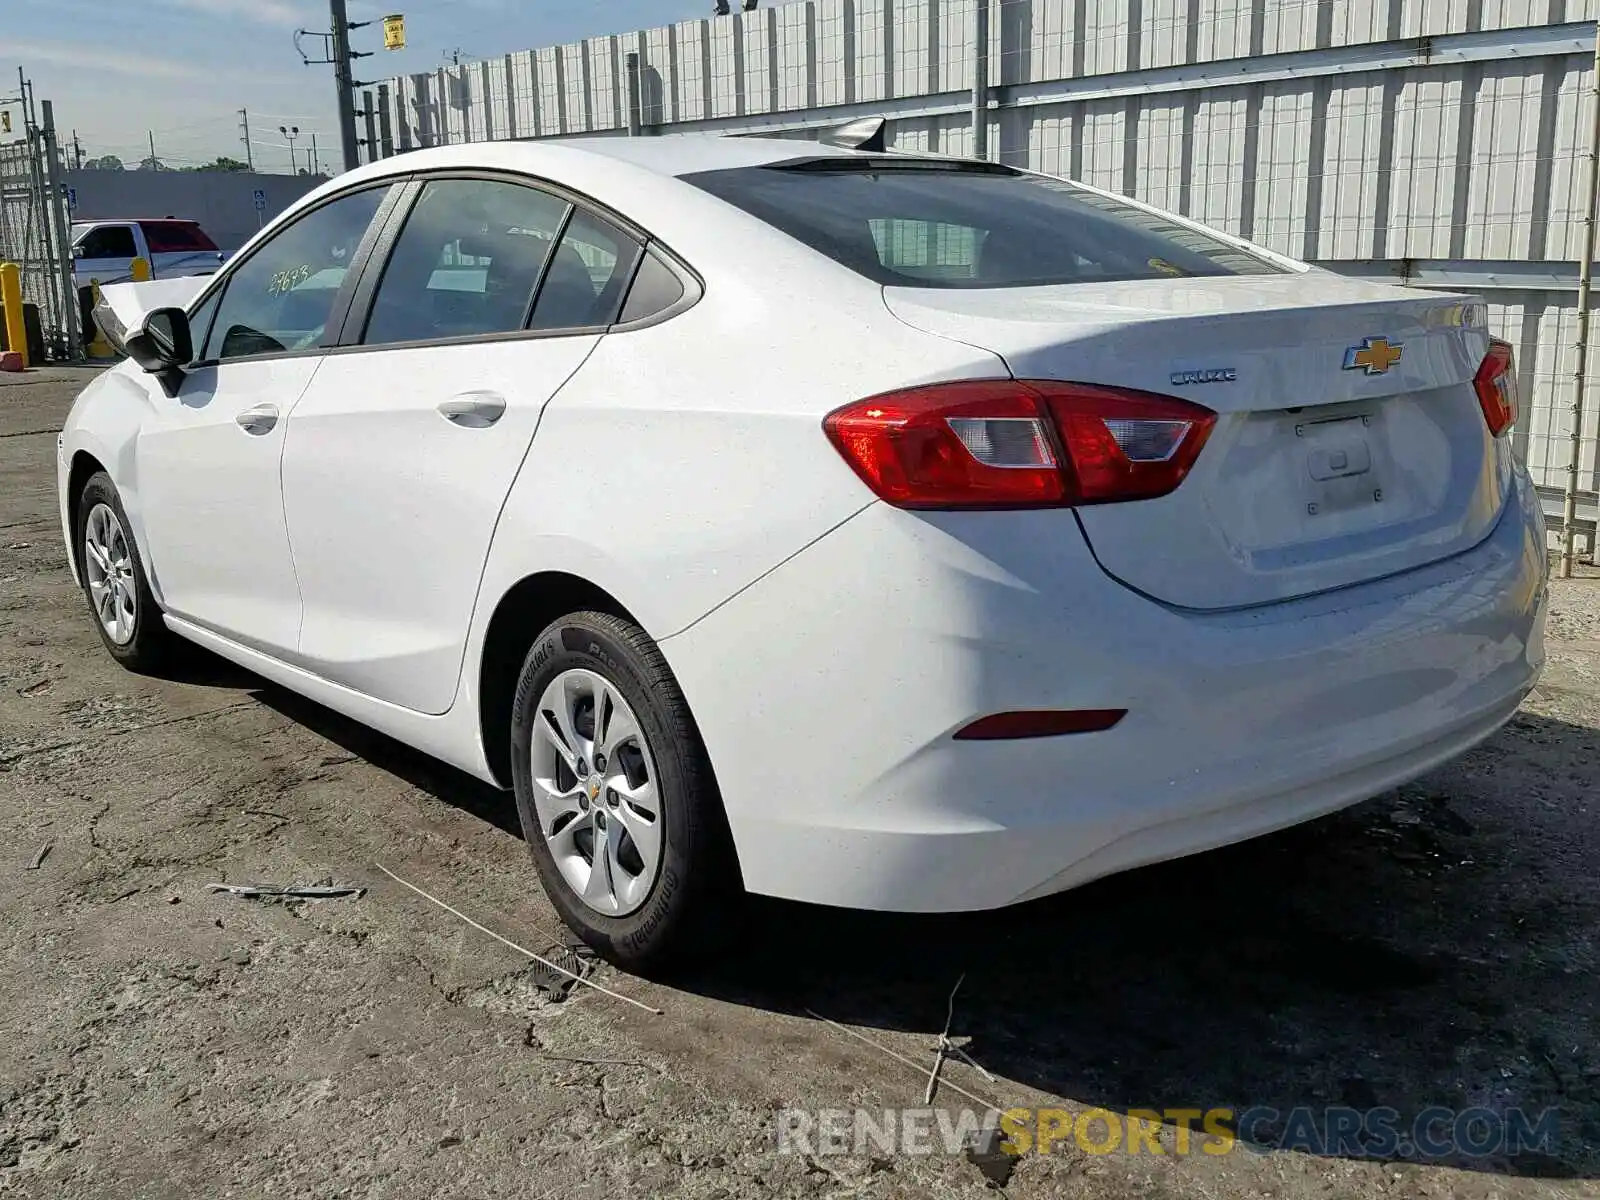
(258, 420)
(474, 410)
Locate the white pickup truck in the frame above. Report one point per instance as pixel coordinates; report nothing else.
(104, 250)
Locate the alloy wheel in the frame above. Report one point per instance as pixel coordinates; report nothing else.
(108, 566)
(595, 793)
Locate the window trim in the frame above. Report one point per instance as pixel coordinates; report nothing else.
(356, 319)
(338, 312)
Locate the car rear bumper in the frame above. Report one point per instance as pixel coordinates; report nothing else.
(827, 693)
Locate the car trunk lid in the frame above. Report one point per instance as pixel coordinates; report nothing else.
(1349, 443)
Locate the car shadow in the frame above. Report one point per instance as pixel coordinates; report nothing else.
(194, 665)
(1431, 949)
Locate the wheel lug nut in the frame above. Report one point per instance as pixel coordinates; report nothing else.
(611, 797)
(581, 769)
(599, 762)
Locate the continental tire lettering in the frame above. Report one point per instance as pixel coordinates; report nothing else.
(658, 913)
(542, 654)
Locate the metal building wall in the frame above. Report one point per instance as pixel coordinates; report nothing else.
(1439, 143)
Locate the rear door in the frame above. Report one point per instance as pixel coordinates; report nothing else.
(403, 449)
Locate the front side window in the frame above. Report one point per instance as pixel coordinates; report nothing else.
(466, 263)
(936, 224)
(281, 297)
(108, 241)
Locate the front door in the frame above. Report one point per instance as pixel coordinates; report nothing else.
(104, 254)
(209, 459)
(403, 450)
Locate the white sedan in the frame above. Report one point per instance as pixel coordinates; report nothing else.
(886, 531)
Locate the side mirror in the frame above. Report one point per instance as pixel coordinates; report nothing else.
(77, 252)
(164, 343)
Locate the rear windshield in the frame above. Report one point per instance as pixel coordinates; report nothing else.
(937, 224)
(173, 237)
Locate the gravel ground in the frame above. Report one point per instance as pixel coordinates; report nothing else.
(1435, 946)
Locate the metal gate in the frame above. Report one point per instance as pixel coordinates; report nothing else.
(34, 232)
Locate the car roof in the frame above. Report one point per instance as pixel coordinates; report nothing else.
(670, 156)
(637, 178)
(685, 154)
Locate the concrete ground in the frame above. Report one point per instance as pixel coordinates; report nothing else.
(1435, 946)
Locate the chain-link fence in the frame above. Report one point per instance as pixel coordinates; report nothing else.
(1433, 143)
(34, 233)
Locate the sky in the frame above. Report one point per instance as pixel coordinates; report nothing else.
(182, 69)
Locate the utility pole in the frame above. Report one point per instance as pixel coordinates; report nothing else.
(344, 83)
(152, 134)
(77, 152)
(336, 46)
(316, 161)
(244, 124)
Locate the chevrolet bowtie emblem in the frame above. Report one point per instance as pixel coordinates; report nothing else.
(1376, 354)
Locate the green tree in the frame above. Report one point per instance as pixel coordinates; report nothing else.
(223, 163)
(106, 162)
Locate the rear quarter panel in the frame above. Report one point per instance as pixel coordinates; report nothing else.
(687, 459)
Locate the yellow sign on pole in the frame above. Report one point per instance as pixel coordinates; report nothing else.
(394, 32)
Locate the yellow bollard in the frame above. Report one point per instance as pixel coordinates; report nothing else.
(139, 270)
(11, 302)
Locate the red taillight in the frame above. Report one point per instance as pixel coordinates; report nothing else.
(1007, 443)
(1496, 385)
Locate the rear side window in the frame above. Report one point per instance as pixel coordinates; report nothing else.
(108, 241)
(927, 223)
(655, 289)
(176, 237)
(588, 276)
(466, 263)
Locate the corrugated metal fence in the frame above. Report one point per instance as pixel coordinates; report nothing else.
(1441, 143)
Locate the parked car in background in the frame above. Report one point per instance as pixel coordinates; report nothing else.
(104, 250)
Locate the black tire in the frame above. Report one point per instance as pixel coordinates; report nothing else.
(692, 900)
(150, 645)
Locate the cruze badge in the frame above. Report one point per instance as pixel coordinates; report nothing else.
(1375, 354)
(1206, 375)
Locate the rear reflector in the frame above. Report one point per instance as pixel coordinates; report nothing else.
(1008, 443)
(1039, 723)
(1496, 385)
